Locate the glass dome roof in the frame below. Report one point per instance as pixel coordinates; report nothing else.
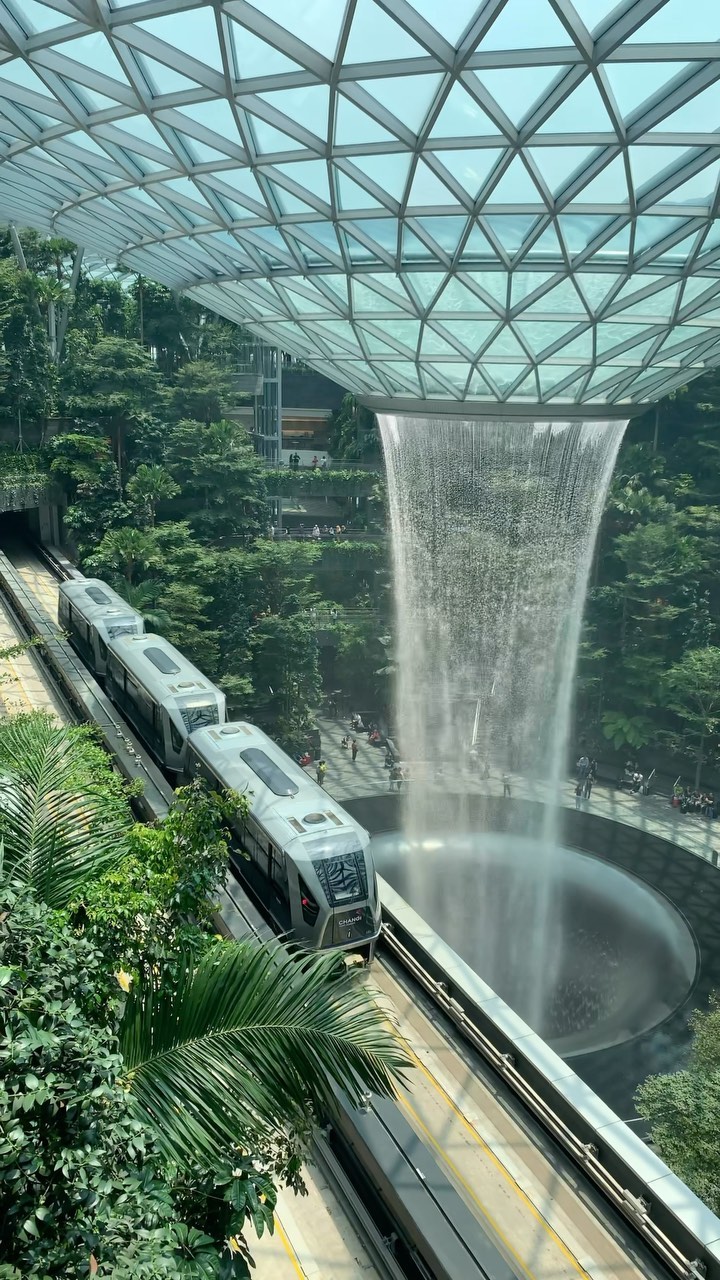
(511, 201)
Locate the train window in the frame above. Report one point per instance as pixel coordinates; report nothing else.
(80, 627)
(115, 669)
(268, 772)
(176, 738)
(310, 908)
(98, 595)
(103, 648)
(161, 660)
(196, 715)
(343, 878)
(121, 629)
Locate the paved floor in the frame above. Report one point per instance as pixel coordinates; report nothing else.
(24, 685)
(652, 813)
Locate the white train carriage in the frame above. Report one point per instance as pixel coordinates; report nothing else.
(162, 694)
(308, 859)
(92, 614)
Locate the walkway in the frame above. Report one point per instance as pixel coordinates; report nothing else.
(24, 683)
(653, 813)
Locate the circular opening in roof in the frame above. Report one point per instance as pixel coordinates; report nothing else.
(231, 728)
(312, 819)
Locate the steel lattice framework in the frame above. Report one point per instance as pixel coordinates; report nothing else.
(425, 199)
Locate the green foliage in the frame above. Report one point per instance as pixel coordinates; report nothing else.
(192, 1041)
(626, 731)
(354, 431)
(221, 479)
(147, 488)
(692, 686)
(683, 1110)
(154, 905)
(64, 816)
(309, 481)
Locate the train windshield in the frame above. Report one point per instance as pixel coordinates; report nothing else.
(197, 714)
(123, 627)
(343, 877)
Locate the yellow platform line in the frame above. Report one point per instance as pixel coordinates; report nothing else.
(498, 1165)
(294, 1260)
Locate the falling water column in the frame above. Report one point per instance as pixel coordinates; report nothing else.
(493, 528)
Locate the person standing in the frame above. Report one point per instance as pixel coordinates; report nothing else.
(354, 750)
(320, 772)
(579, 792)
(587, 787)
(507, 794)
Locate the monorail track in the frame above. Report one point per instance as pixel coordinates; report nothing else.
(410, 1184)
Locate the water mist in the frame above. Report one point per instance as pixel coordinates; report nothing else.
(493, 530)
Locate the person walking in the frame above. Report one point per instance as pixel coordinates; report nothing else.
(320, 772)
(579, 795)
(507, 794)
(354, 750)
(587, 787)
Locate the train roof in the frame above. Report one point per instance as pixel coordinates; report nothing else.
(244, 758)
(91, 597)
(163, 670)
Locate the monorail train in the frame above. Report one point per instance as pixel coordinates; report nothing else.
(162, 694)
(311, 859)
(92, 614)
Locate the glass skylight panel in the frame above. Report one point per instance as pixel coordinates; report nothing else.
(296, 213)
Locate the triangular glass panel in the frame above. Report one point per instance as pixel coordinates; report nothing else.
(545, 249)
(317, 24)
(691, 20)
(698, 190)
(557, 164)
(470, 334)
(143, 130)
(609, 187)
(505, 344)
(446, 232)
(351, 195)
(425, 284)
(311, 175)
(650, 231)
(449, 19)
(354, 127)
(255, 58)
(270, 140)
(477, 247)
(580, 229)
(694, 288)
(40, 17)
(493, 283)
(680, 252)
(383, 231)
(93, 51)
(632, 83)
(578, 348)
(18, 72)
(368, 301)
(611, 335)
(300, 302)
(511, 229)
(461, 116)
(470, 167)
(192, 31)
(457, 297)
(387, 283)
(699, 115)
(375, 344)
(561, 299)
(200, 152)
(517, 89)
(583, 111)
(658, 303)
(527, 390)
(322, 231)
(413, 248)
(478, 388)
(514, 187)
(521, 27)
(596, 287)
(402, 330)
(215, 116)
(553, 376)
(504, 375)
(433, 344)
(308, 107)
(407, 97)
(649, 164)
(375, 37)
(242, 180)
(616, 248)
(541, 334)
(387, 172)
(523, 284)
(427, 189)
(162, 79)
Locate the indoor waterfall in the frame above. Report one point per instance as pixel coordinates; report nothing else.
(493, 530)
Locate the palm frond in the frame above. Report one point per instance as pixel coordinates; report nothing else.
(59, 826)
(249, 1043)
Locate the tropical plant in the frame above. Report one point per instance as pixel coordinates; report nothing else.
(147, 488)
(128, 551)
(249, 1044)
(627, 731)
(693, 694)
(64, 815)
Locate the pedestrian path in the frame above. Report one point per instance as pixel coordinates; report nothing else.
(653, 813)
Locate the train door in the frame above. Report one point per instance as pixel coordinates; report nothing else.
(277, 864)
